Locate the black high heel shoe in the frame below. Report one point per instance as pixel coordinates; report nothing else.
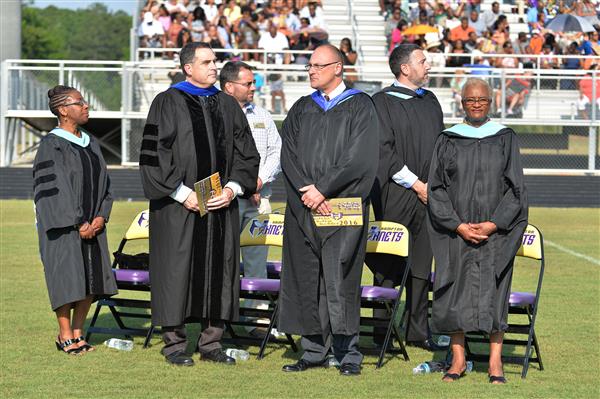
(60, 346)
(84, 348)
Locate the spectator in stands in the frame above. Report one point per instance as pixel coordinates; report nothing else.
(183, 38)
(164, 17)
(391, 23)
(174, 29)
(436, 59)
(572, 63)
(274, 41)
(586, 94)
(349, 57)
(548, 61)
(290, 20)
(540, 24)
(211, 10)
(532, 14)
(456, 84)
(224, 30)
(276, 88)
(521, 47)
(472, 5)
(589, 44)
(477, 23)
(398, 36)
(150, 32)
(232, 12)
(471, 44)
(587, 10)
(316, 18)
(422, 8)
(457, 61)
(536, 42)
(462, 31)
(517, 90)
(507, 60)
(215, 40)
(247, 30)
(73, 201)
(198, 24)
(489, 17)
(501, 33)
(174, 6)
(191, 5)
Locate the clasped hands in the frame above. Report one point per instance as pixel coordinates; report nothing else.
(89, 230)
(476, 233)
(213, 204)
(314, 200)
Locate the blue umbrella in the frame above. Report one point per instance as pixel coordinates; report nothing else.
(570, 23)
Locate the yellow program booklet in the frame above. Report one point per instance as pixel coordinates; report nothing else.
(206, 189)
(344, 212)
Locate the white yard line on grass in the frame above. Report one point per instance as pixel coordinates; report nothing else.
(571, 252)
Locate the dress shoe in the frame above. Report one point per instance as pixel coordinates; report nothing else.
(179, 358)
(300, 365)
(350, 369)
(218, 356)
(428, 345)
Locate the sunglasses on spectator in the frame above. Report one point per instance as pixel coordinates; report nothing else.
(81, 103)
(247, 84)
(473, 100)
(319, 67)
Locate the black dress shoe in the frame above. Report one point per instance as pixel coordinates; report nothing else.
(218, 356)
(179, 358)
(300, 365)
(428, 345)
(350, 369)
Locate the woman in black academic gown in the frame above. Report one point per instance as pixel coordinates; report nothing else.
(72, 204)
(478, 212)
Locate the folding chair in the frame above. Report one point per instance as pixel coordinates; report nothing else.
(262, 230)
(524, 303)
(393, 239)
(132, 274)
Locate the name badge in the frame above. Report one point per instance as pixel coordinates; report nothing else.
(259, 125)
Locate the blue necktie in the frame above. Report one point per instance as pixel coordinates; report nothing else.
(420, 92)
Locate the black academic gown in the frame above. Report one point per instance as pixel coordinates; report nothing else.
(70, 190)
(337, 151)
(409, 128)
(475, 180)
(194, 261)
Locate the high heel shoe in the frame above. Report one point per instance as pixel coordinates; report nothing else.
(84, 348)
(60, 346)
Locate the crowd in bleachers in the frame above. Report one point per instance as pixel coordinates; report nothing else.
(506, 28)
(270, 25)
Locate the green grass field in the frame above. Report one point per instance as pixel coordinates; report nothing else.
(568, 329)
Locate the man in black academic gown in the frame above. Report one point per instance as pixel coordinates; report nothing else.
(193, 130)
(329, 151)
(411, 118)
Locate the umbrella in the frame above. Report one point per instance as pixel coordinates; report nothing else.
(420, 30)
(570, 23)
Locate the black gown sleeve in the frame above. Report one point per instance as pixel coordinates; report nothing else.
(246, 158)
(106, 201)
(360, 158)
(54, 198)
(388, 156)
(289, 151)
(160, 175)
(514, 202)
(441, 211)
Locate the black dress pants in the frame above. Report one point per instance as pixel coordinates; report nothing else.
(175, 337)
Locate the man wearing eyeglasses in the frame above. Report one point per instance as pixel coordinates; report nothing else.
(193, 130)
(411, 119)
(329, 151)
(237, 80)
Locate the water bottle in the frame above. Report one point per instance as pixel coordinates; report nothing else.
(237, 354)
(429, 367)
(443, 340)
(119, 344)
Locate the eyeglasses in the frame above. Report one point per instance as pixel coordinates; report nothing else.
(247, 84)
(81, 103)
(480, 100)
(319, 67)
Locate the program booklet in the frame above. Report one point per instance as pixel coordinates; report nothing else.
(344, 212)
(206, 189)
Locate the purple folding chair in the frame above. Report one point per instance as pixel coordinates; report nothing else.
(131, 273)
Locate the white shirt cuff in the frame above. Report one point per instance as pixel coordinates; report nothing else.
(235, 187)
(405, 177)
(181, 193)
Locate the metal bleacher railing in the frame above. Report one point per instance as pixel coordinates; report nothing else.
(558, 130)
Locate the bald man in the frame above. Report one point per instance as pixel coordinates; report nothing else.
(329, 151)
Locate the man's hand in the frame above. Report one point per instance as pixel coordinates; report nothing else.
(259, 184)
(222, 201)
(86, 231)
(255, 199)
(312, 198)
(191, 202)
(98, 224)
(324, 209)
(470, 235)
(421, 189)
(484, 228)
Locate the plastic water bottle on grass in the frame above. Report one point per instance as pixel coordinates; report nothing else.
(435, 367)
(119, 344)
(237, 354)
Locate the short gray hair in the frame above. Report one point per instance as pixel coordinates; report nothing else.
(475, 82)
